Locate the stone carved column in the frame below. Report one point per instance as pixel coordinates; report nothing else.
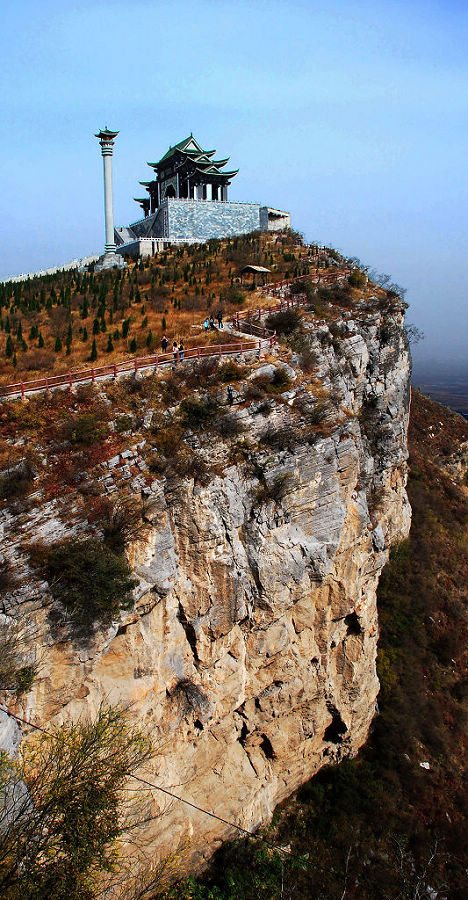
(110, 259)
(106, 140)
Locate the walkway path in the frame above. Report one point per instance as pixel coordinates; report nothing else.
(261, 340)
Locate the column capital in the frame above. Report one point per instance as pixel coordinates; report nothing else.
(106, 140)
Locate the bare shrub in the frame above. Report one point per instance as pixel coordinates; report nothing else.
(274, 490)
(39, 360)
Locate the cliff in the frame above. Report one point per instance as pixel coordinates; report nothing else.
(250, 653)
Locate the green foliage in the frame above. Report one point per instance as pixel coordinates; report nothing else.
(15, 484)
(285, 322)
(83, 429)
(92, 581)
(93, 355)
(75, 779)
(230, 371)
(234, 295)
(357, 279)
(196, 413)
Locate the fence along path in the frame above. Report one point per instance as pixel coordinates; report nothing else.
(261, 340)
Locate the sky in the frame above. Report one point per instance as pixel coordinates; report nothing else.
(352, 115)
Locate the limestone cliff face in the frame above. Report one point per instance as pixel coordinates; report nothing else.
(250, 656)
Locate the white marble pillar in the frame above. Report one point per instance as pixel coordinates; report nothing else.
(110, 259)
(209, 195)
(106, 140)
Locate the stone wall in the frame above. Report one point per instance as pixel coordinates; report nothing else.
(204, 219)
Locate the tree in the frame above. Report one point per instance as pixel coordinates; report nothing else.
(58, 344)
(9, 346)
(133, 345)
(64, 807)
(93, 356)
(413, 333)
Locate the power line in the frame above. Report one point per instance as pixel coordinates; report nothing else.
(169, 793)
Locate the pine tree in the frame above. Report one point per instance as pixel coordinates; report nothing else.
(96, 326)
(58, 344)
(149, 339)
(40, 342)
(110, 345)
(93, 351)
(84, 336)
(9, 346)
(133, 345)
(69, 338)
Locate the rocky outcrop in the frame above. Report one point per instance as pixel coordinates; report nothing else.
(250, 655)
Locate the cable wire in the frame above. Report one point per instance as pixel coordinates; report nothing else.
(169, 793)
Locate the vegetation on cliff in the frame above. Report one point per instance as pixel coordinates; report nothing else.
(392, 822)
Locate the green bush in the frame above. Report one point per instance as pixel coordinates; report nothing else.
(231, 371)
(92, 581)
(15, 485)
(285, 322)
(84, 429)
(196, 413)
(357, 279)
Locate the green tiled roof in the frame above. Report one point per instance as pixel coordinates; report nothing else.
(201, 158)
(183, 145)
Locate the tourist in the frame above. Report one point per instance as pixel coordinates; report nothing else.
(181, 351)
(212, 322)
(220, 319)
(230, 395)
(164, 344)
(206, 324)
(175, 350)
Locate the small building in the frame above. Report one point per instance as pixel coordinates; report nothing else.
(259, 273)
(187, 202)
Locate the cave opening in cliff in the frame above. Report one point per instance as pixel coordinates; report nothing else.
(336, 729)
(267, 747)
(243, 735)
(353, 624)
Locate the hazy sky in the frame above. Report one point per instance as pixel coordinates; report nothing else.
(350, 114)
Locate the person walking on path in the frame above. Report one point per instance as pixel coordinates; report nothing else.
(175, 351)
(220, 319)
(181, 351)
(206, 325)
(212, 323)
(230, 395)
(164, 344)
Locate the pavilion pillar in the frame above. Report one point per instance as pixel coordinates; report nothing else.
(209, 195)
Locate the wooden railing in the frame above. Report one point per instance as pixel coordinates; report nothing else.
(274, 286)
(133, 366)
(264, 340)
